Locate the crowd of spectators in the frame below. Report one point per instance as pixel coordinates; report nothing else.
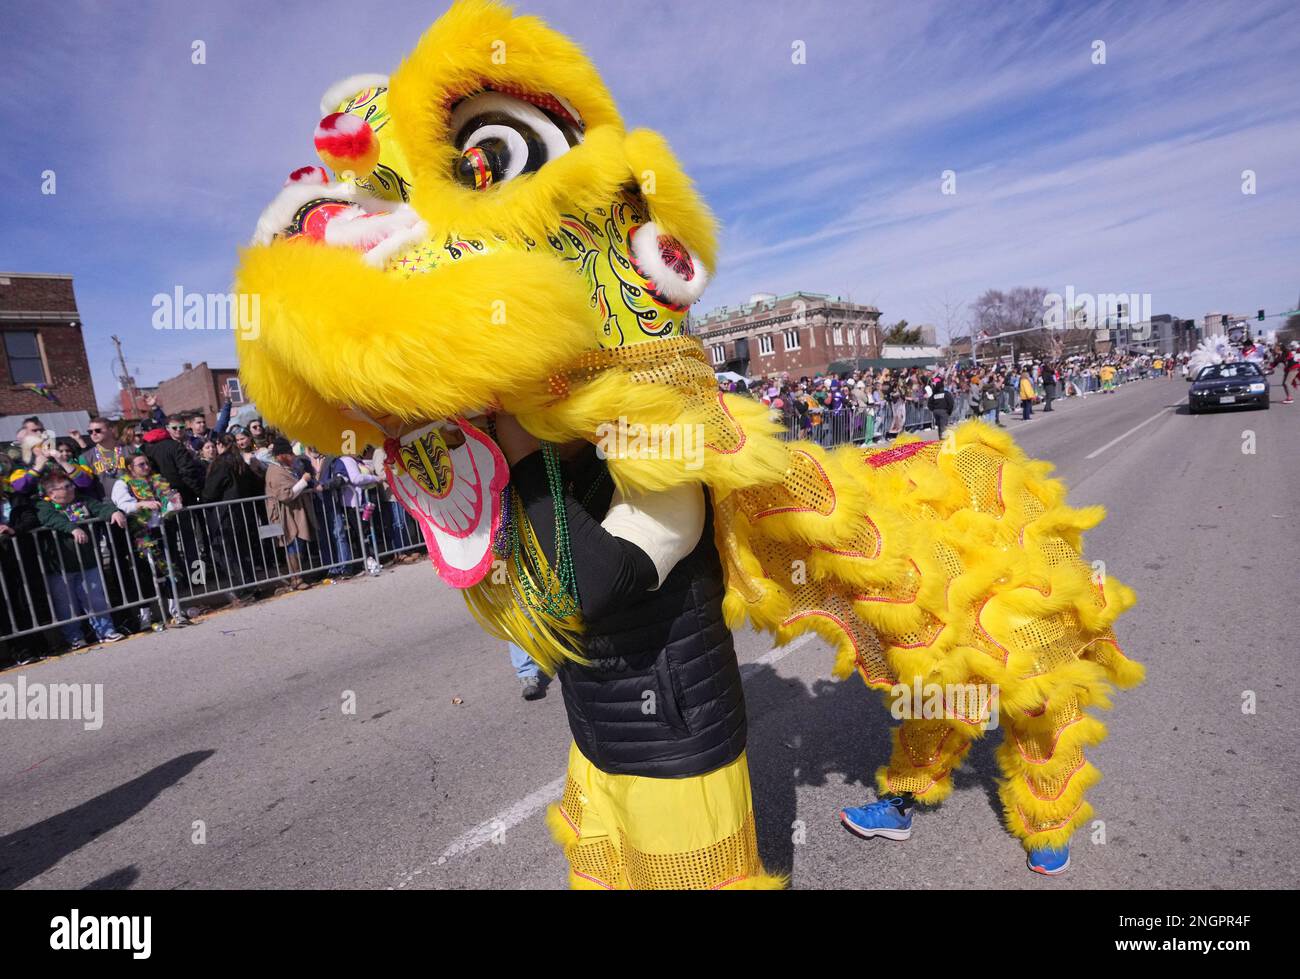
(879, 405)
(132, 523)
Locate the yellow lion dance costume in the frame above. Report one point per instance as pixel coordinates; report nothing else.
(495, 240)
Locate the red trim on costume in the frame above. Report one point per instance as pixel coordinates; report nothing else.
(1046, 829)
(898, 453)
(542, 100)
(739, 430)
(895, 601)
(1006, 653)
(805, 509)
(857, 653)
(938, 749)
(1055, 741)
(598, 883)
(880, 544)
(1068, 779)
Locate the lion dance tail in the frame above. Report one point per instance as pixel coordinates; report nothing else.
(950, 567)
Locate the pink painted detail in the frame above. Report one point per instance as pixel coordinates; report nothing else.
(676, 256)
(458, 521)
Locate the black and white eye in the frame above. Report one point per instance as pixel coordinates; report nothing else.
(500, 137)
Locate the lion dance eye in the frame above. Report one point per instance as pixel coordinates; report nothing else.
(500, 137)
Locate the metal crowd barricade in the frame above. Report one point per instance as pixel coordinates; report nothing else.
(864, 427)
(41, 591)
(835, 428)
(201, 550)
(218, 548)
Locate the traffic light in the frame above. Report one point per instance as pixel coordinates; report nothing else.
(1261, 316)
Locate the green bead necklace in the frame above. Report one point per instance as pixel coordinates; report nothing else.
(560, 595)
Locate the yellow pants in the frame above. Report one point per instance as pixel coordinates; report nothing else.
(630, 832)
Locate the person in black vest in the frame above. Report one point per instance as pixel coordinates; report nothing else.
(941, 404)
(1049, 386)
(657, 794)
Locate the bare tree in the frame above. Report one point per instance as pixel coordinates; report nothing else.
(949, 315)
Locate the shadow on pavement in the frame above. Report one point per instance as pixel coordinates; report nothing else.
(800, 735)
(30, 852)
(118, 880)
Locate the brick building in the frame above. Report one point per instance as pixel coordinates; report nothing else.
(43, 367)
(200, 388)
(799, 333)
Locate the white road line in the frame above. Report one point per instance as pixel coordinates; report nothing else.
(538, 800)
(482, 833)
(781, 652)
(1121, 438)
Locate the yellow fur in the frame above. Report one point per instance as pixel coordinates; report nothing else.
(425, 348)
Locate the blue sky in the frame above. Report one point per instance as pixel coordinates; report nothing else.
(1115, 178)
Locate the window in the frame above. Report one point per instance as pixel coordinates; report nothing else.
(838, 335)
(24, 351)
(234, 391)
(716, 353)
(791, 339)
(765, 344)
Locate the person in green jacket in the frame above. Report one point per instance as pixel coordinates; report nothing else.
(72, 571)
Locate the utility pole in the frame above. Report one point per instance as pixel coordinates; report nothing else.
(125, 381)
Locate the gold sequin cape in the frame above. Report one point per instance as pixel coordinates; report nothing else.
(951, 562)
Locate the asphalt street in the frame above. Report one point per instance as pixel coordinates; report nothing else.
(226, 758)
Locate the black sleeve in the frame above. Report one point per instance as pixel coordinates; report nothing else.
(193, 472)
(609, 570)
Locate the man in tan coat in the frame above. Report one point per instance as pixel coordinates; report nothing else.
(287, 508)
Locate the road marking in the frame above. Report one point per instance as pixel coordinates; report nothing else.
(535, 801)
(1121, 438)
(778, 653)
(482, 833)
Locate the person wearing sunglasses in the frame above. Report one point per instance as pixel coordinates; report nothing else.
(105, 457)
(176, 428)
(173, 461)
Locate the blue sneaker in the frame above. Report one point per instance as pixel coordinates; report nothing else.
(1050, 862)
(882, 818)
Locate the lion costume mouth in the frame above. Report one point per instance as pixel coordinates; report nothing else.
(454, 493)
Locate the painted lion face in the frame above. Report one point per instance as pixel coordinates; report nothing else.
(489, 220)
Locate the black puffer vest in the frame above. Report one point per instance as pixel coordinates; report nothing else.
(662, 697)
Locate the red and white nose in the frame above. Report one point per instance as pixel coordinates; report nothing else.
(347, 145)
